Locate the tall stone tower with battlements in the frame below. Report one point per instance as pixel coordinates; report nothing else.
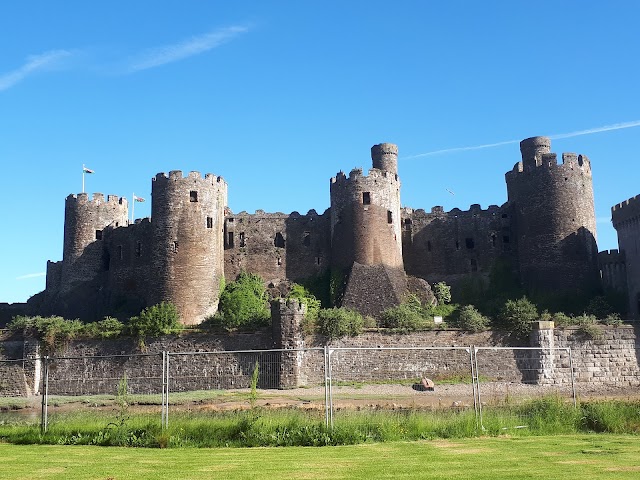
(366, 240)
(84, 222)
(554, 219)
(626, 220)
(187, 260)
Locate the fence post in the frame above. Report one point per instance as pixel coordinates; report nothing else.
(573, 383)
(45, 397)
(166, 395)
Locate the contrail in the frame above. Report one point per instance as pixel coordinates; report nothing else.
(606, 128)
(31, 275)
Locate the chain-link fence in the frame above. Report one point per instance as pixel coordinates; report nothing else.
(332, 384)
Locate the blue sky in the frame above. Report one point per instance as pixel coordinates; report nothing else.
(278, 96)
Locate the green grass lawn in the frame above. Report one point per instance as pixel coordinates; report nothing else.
(592, 456)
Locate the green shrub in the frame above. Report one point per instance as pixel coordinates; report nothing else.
(339, 322)
(587, 326)
(442, 292)
(108, 327)
(517, 316)
(160, 319)
(612, 319)
(405, 317)
(305, 297)
(599, 307)
(53, 331)
(472, 320)
(244, 303)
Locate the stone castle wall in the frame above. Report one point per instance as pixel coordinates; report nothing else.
(626, 220)
(277, 245)
(448, 246)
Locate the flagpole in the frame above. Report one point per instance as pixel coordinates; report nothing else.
(83, 178)
(133, 207)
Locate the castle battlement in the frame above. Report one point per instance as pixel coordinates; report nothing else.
(536, 153)
(98, 199)
(607, 257)
(438, 211)
(177, 175)
(357, 175)
(627, 210)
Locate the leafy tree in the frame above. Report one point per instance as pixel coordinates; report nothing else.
(244, 302)
(517, 316)
(472, 320)
(156, 320)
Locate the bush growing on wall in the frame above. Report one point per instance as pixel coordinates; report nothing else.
(108, 327)
(52, 331)
(517, 316)
(305, 297)
(472, 320)
(244, 303)
(339, 322)
(160, 319)
(406, 317)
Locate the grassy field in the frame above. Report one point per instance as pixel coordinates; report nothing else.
(594, 456)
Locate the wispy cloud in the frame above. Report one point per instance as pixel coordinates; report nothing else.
(31, 275)
(33, 64)
(590, 131)
(194, 46)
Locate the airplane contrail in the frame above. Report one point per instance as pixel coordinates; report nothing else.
(589, 131)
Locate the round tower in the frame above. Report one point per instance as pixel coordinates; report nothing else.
(188, 251)
(554, 221)
(84, 221)
(385, 157)
(365, 213)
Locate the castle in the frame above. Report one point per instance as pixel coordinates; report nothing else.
(372, 248)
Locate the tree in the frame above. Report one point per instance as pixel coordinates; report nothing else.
(244, 302)
(517, 316)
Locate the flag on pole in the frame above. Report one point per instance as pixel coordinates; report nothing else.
(87, 170)
(138, 199)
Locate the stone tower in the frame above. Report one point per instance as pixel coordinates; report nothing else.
(84, 222)
(187, 236)
(626, 220)
(554, 219)
(366, 232)
(365, 213)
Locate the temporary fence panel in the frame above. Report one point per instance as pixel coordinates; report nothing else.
(510, 377)
(20, 383)
(223, 381)
(111, 389)
(385, 384)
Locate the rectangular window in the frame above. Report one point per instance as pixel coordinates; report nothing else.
(241, 238)
(209, 222)
(138, 248)
(174, 247)
(474, 265)
(389, 216)
(469, 243)
(98, 234)
(318, 260)
(366, 198)
(230, 239)
(119, 252)
(306, 239)
(193, 196)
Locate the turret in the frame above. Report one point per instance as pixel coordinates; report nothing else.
(84, 222)
(554, 220)
(365, 212)
(188, 249)
(385, 157)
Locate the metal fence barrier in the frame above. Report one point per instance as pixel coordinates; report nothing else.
(336, 383)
